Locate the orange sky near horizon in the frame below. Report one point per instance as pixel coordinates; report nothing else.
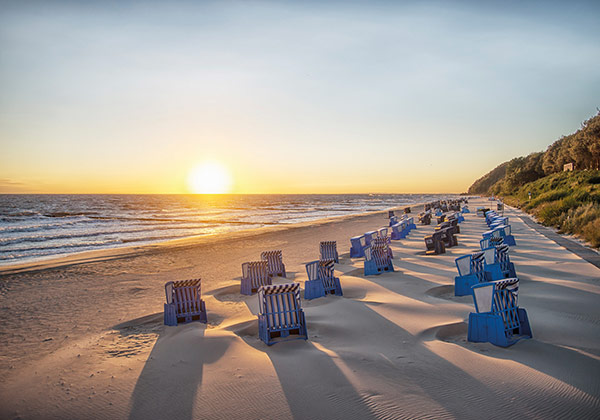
(290, 97)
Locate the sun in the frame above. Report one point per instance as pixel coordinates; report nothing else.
(209, 178)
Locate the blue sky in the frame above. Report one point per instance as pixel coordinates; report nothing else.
(290, 96)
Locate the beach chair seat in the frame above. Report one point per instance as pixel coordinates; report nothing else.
(280, 315)
(254, 275)
(497, 262)
(384, 241)
(321, 280)
(275, 263)
(358, 245)
(498, 318)
(328, 251)
(377, 259)
(184, 302)
(435, 244)
(471, 271)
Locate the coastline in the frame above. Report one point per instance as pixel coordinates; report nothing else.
(131, 251)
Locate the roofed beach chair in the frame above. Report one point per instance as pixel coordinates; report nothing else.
(434, 243)
(321, 280)
(275, 262)
(393, 221)
(471, 271)
(425, 217)
(184, 303)
(358, 245)
(498, 319)
(391, 214)
(398, 231)
(465, 209)
(328, 251)
(280, 316)
(497, 262)
(411, 223)
(377, 259)
(254, 275)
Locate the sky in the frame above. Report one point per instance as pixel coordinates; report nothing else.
(287, 96)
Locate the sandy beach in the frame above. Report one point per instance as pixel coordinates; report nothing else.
(83, 338)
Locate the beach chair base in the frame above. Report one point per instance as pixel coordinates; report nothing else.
(246, 287)
(497, 273)
(270, 337)
(315, 289)
(171, 318)
(462, 284)
(486, 327)
(372, 269)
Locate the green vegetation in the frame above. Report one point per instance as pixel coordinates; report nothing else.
(568, 200)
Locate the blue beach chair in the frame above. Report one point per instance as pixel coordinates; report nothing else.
(321, 280)
(497, 262)
(280, 316)
(274, 260)
(358, 245)
(398, 231)
(184, 303)
(498, 319)
(254, 275)
(471, 271)
(328, 251)
(393, 221)
(465, 209)
(377, 259)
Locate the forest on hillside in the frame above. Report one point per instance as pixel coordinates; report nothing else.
(581, 148)
(537, 183)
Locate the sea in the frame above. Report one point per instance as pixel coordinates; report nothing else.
(42, 226)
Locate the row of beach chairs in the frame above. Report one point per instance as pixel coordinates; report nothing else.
(490, 278)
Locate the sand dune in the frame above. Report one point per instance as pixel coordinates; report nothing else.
(86, 340)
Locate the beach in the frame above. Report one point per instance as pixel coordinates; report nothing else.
(83, 336)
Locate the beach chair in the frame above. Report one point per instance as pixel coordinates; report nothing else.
(434, 243)
(393, 221)
(471, 271)
(280, 315)
(254, 275)
(184, 303)
(465, 209)
(411, 223)
(382, 232)
(425, 218)
(358, 245)
(274, 260)
(377, 259)
(398, 232)
(328, 251)
(321, 280)
(498, 318)
(497, 262)
(391, 214)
